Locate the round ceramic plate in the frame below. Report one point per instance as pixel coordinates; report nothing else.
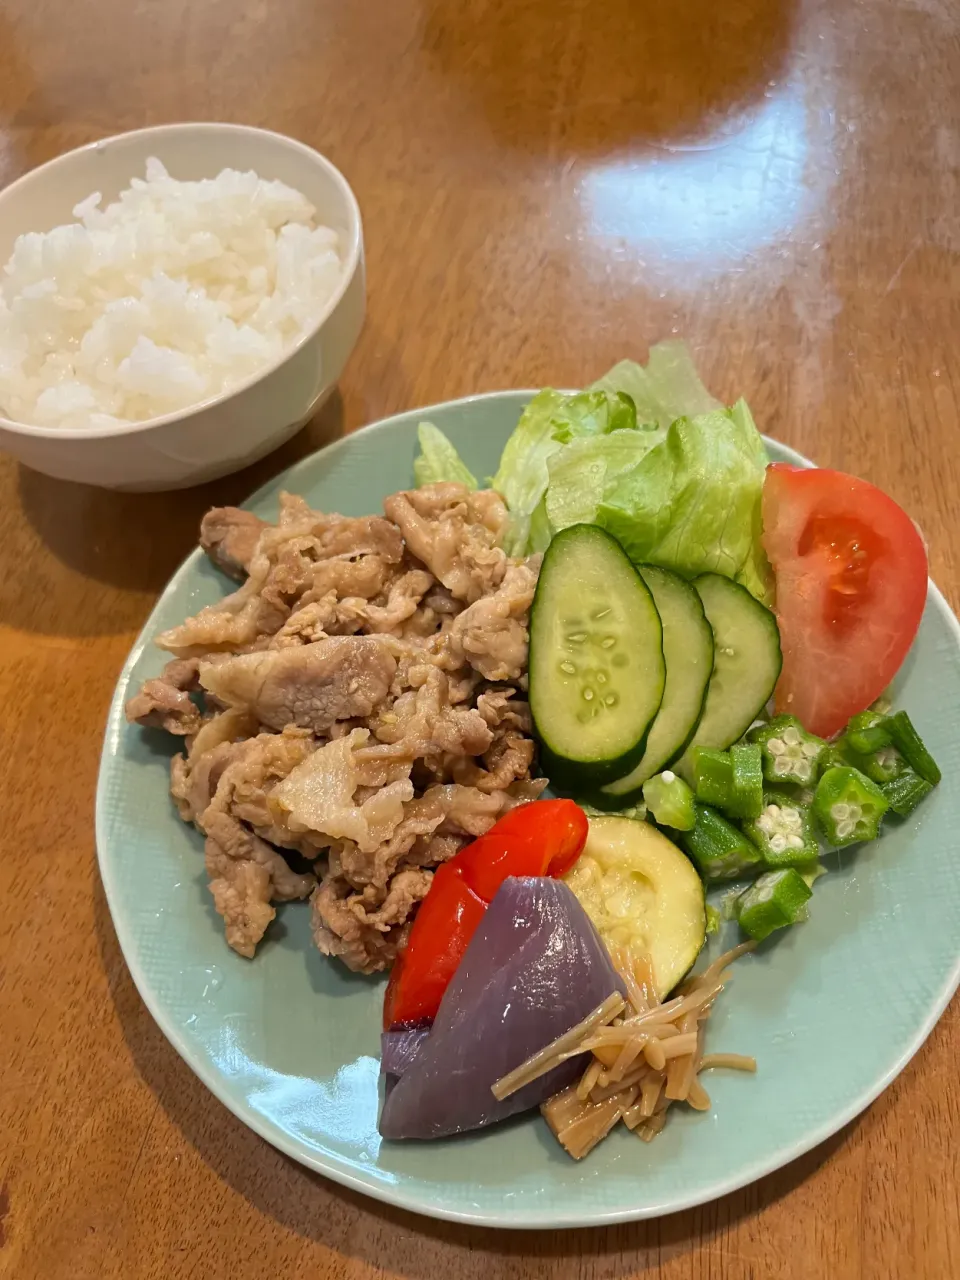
(289, 1041)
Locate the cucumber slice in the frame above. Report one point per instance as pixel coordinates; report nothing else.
(746, 665)
(596, 659)
(688, 652)
(642, 893)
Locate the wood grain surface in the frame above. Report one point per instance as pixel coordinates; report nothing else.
(547, 185)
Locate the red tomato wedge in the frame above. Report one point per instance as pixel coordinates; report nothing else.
(851, 572)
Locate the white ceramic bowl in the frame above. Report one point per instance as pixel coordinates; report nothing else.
(231, 430)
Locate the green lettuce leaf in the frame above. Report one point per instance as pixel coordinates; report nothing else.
(582, 473)
(692, 502)
(438, 460)
(550, 421)
(666, 389)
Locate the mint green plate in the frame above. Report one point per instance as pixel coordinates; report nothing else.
(832, 1010)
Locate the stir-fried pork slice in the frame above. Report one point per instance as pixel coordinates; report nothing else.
(229, 536)
(366, 935)
(502, 707)
(306, 551)
(165, 703)
(455, 533)
(320, 795)
(265, 601)
(311, 685)
(508, 760)
(193, 784)
(401, 604)
(491, 634)
(423, 723)
(421, 818)
(194, 778)
(246, 783)
(338, 535)
(246, 875)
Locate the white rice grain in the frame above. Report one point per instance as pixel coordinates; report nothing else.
(172, 294)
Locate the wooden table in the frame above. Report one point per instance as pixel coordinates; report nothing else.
(547, 185)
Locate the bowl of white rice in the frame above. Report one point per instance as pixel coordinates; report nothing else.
(174, 304)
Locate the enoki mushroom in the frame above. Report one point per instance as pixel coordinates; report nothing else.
(644, 1057)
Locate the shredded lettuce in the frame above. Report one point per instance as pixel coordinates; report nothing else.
(438, 460)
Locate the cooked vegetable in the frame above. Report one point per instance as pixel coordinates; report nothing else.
(720, 851)
(642, 1064)
(910, 745)
(400, 1049)
(905, 792)
(851, 574)
(790, 754)
(688, 655)
(438, 460)
(848, 806)
(596, 659)
(746, 665)
(670, 801)
(542, 838)
(784, 832)
(775, 900)
(533, 970)
(642, 894)
(445, 922)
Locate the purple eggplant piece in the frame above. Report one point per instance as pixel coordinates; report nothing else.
(400, 1049)
(534, 969)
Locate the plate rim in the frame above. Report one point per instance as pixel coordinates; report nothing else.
(333, 1167)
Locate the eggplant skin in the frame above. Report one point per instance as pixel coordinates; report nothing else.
(533, 969)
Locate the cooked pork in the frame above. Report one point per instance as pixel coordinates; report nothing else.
(165, 702)
(357, 701)
(310, 685)
(246, 875)
(455, 533)
(229, 536)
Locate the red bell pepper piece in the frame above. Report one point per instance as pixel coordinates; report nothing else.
(544, 837)
(446, 920)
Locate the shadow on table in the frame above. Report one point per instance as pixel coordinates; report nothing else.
(131, 542)
(341, 1219)
(572, 77)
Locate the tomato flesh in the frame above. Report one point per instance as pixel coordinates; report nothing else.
(851, 573)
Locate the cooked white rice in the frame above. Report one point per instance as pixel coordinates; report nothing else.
(170, 295)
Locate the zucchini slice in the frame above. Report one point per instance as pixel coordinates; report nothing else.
(642, 893)
(688, 653)
(746, 665)
(596, 659)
